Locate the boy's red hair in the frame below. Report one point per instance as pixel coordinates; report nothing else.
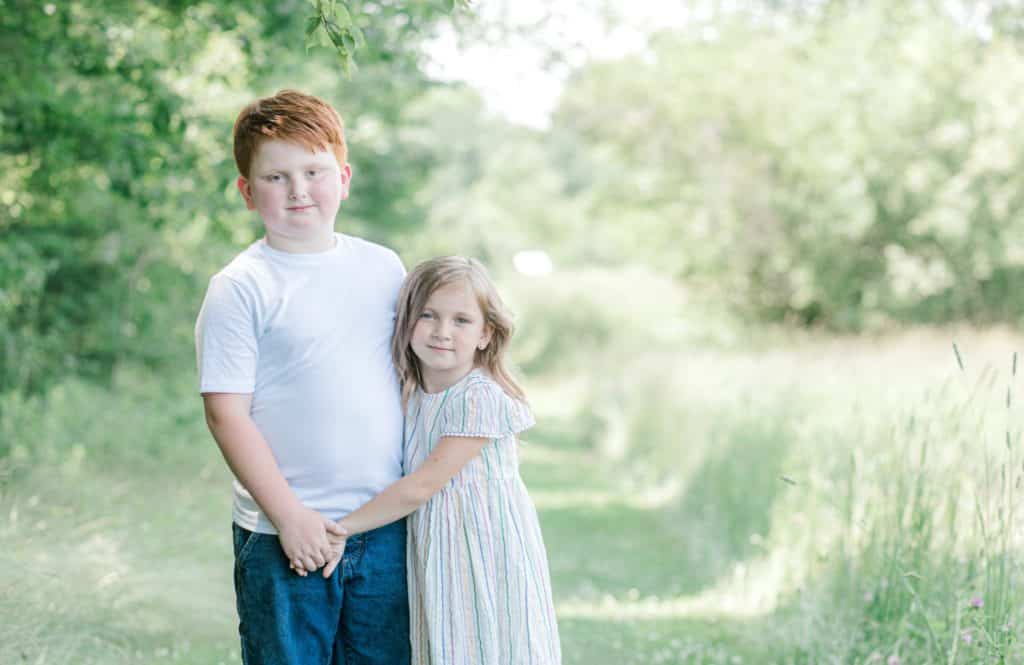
(288, 116)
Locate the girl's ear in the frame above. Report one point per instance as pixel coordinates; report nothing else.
(486, 339)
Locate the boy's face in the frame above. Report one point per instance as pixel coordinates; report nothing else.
(296, 192)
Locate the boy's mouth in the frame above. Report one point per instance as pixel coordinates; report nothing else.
(301, 208)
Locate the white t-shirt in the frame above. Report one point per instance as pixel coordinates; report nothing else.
(309, 336)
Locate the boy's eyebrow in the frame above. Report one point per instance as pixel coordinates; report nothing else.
(307, 165)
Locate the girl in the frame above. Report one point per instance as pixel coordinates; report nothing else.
(479, 588)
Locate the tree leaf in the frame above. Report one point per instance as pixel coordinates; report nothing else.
(323, 35)
(348, 40)
(335, 33)
(342, 14)
(357, 35)
(312, 23)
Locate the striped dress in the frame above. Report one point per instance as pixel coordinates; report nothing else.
(479, 587)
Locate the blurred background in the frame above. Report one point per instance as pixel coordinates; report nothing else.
(766, 259)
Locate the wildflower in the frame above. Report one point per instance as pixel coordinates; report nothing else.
(868, 596)
(967, 636)
(893, 660)
(977, 602)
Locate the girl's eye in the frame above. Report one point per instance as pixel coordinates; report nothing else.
(426, 315)
(463, 320)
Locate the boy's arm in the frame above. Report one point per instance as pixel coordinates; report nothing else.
(409, 493)
(302, 531)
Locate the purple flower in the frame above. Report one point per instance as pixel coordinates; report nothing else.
(977, 602)
(967, 637)
(893, 660)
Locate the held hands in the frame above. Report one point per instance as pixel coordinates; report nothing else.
(338, 545)
(304, 539)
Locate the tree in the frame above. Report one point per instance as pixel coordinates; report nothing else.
(842, 172)
(116, 176)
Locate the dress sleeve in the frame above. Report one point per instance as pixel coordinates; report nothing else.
(483, 409)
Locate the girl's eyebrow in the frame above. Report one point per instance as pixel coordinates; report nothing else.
(457, 313)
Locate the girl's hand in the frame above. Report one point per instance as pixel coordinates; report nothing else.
(303, 538)
(337, 542)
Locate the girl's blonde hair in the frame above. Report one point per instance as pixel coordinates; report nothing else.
(430, 276)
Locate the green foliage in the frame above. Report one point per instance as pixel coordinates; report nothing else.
(846, 172)
(117, 197)
(90, 130)
(335, 23)
(332, 25)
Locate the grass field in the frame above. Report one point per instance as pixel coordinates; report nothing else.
(813, 501)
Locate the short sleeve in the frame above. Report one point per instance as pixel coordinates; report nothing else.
(226, 341)
(483, 409)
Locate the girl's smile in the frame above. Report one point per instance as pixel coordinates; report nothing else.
(447, 335)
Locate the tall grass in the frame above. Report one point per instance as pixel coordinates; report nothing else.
(928, 559)
(856, 497)
(114, 527)
(826, 501)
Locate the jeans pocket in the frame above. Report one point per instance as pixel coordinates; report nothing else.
(247, 539)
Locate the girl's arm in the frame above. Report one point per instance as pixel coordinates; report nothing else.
(409, 493)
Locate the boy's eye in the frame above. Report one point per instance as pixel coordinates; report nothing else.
(312, 173)
(274, 177)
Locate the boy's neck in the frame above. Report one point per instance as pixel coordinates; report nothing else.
(321, 242)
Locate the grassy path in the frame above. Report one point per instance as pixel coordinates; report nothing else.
(130, 563)
(775, 536)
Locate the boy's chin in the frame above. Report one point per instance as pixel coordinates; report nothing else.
(307, 239)
(300, 230)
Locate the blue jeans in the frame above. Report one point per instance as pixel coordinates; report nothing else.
(359, 616)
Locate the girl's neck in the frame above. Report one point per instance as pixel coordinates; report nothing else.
(439, 382)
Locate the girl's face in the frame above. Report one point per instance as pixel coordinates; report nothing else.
(448, 335)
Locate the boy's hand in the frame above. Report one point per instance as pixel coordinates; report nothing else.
(303, 537)
(338, 544)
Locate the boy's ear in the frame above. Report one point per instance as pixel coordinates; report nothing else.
(246, 189)
(346, 180)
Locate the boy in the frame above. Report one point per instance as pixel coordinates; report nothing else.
(293, 347)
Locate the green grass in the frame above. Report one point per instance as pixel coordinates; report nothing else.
(831, 502)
